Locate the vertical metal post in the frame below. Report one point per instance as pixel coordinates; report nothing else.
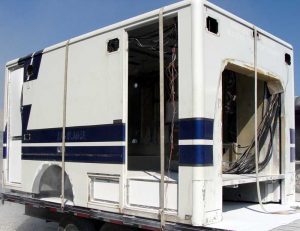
(162, 119)
(63, 150)
(256, 120)
(199, 179)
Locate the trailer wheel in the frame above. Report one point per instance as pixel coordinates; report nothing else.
(75, 224)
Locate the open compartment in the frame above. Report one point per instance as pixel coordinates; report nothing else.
(143, 112)
(238, 136)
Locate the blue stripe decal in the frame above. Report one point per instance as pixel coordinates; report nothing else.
(94, 133)
(292, 136)
(195, 155)
(4, 152)
(196, 128)
(102, 154)
(40, 150)
(292, 154)
(26, 109)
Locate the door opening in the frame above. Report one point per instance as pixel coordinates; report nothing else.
(238, 137)
(143, 97)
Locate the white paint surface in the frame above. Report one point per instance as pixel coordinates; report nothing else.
(105, 191)
(15, 125)
(249, 217)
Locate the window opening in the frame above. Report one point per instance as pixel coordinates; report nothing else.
(212, 25)
(113, 45)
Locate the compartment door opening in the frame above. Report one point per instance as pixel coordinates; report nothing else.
(143, 98)
(238, 137)
(143, 140)
(15, 84)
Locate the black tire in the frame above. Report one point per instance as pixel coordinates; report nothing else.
(76, 224)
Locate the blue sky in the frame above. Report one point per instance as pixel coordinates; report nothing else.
(27, 26)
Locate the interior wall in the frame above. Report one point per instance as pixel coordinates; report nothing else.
(242, 103)
(143, 97)
(240, 94)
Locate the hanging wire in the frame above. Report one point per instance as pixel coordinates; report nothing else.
(246, 163)
(172, 75)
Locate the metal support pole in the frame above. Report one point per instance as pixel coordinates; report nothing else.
(162, 119)
(256, 121)
(63, 145)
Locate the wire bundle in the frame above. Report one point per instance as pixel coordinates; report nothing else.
(151, 41)
(246, 163)
(172, 75)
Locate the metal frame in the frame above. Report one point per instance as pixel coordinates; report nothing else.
(88, 213)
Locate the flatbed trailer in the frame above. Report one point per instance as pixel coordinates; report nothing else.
(154, 122)
(51, 211)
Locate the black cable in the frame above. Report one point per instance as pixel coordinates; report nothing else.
(246, 163)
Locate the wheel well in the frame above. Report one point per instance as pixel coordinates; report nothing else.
(48, 183)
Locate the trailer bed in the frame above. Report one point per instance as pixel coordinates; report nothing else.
(249, 216)
(234, 214)
(53, 210)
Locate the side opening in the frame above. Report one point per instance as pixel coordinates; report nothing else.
(143, 97)
(143, 114)
(238, 137)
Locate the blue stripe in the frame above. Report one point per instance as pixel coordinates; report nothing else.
(94, 133)
(196, 128)
(195, 155)
(104, 159)
(26, 109)
(40, 150)
(292, 136)
(75, 150)
(4, 152)
(99, 154)
(292, 154)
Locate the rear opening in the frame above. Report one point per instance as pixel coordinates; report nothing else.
(238, 138)
(143, 98)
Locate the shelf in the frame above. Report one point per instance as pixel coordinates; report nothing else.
(234, 179)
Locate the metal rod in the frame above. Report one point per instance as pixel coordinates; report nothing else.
(256, 120)
(63, 145)
(162, 119)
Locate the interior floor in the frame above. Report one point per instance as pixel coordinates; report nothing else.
(249, 216)
(236, 179)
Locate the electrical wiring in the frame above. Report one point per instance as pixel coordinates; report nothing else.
(172, 75)
(151, 42)
(246, 163)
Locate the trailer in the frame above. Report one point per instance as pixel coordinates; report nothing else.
(169, 120)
